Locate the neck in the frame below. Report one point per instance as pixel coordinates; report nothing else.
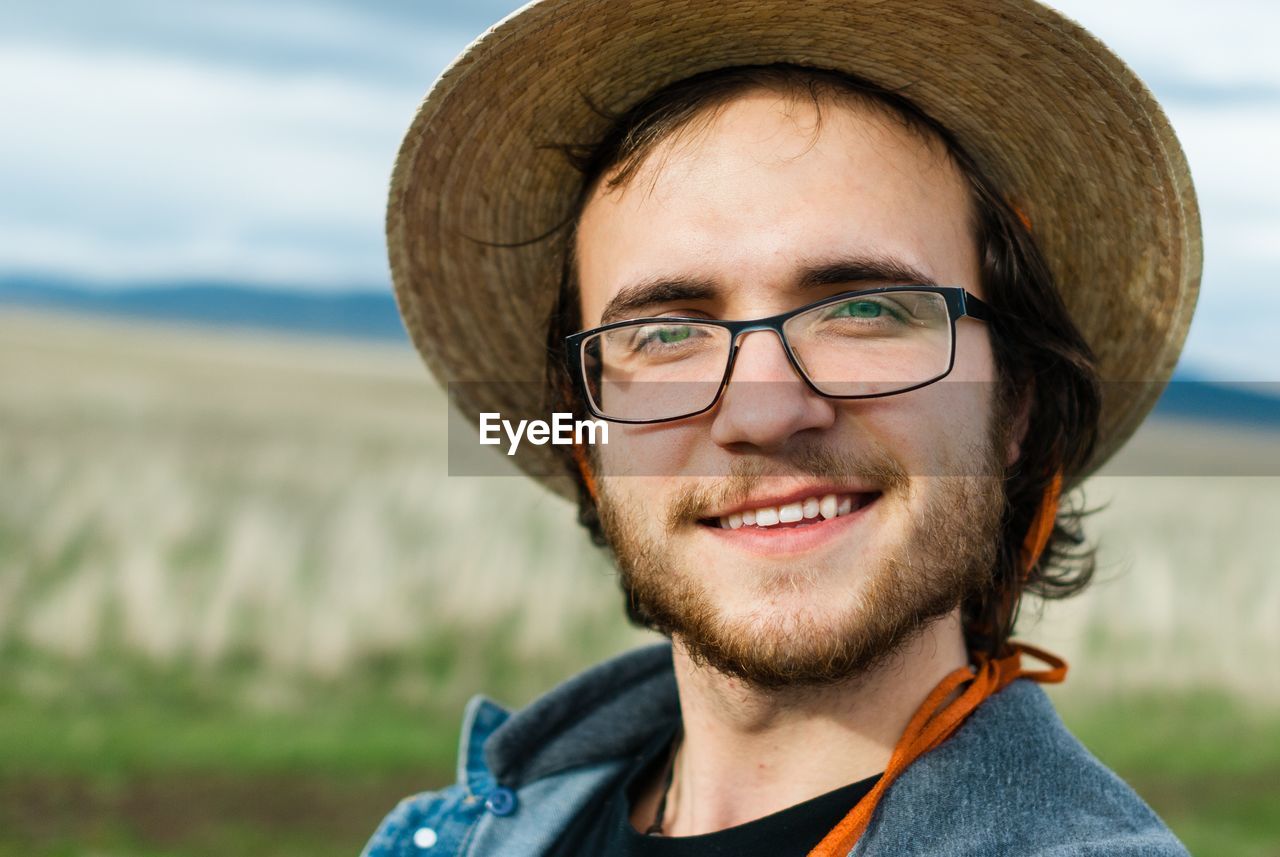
(748, 753)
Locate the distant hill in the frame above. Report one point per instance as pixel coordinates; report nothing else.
(1190, 397)
(373, 315)
(360, 314)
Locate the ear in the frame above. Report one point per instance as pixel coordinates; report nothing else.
(1021, 422)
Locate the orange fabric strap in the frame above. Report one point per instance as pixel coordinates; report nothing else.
(934, 721)
(1041, 525)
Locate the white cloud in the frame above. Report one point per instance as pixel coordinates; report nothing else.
(1215, 70)
(1243, 352)
(154, 150)
(234, 255)
(1231, 149)
(1227, 42)
(1231, 152)
(366, 41)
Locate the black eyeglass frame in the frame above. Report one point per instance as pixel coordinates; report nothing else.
(960, 302)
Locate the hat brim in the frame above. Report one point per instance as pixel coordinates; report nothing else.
(1047, 111)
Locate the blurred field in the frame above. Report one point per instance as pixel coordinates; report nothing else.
(241, 604)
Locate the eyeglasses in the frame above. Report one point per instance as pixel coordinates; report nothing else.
(854, 345)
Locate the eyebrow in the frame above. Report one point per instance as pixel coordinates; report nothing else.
(844, 270)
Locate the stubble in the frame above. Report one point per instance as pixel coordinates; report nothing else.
(948, 551)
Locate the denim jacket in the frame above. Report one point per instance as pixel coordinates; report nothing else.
(1010, 781)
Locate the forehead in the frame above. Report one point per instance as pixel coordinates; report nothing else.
(751, 194)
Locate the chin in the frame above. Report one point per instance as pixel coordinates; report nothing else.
(794, 630)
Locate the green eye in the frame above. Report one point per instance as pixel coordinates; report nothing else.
(672, 335)
(664, 340)
(858, 309)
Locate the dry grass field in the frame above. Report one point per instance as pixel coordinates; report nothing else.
(233, 564)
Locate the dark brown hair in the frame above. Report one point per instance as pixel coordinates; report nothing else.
(1038, 350)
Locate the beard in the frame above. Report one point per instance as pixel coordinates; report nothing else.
(948, 552)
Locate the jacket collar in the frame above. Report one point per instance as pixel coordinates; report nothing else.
(608, 711)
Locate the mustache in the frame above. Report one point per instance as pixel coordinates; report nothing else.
(873, 466)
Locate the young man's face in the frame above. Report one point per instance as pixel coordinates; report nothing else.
(745, 205)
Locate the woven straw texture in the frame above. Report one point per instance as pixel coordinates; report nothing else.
(1047, 110)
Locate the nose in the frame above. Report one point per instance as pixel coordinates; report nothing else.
(766, 401)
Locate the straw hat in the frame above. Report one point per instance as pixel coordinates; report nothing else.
(1047, 111)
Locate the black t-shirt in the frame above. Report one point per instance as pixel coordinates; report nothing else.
(603, 828)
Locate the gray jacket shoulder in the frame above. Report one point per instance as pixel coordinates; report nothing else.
(1014, 781)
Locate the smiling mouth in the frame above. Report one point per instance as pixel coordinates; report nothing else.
(799, 513)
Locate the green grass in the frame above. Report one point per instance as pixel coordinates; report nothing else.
(1208, 764)
(148, 762)
(118, 742)
(196, 814)
(120, 717)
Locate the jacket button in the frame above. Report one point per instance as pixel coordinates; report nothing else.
(501, 801)
(424, 837)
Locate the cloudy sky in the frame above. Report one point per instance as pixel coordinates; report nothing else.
(149, 141)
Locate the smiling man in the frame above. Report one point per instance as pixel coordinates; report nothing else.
(849, 283)
(806, 549)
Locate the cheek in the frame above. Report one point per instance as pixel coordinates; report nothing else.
(629, 497)
(938, 430)
(965, 400)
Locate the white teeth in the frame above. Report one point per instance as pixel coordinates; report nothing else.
(827, 506)
(766, 517)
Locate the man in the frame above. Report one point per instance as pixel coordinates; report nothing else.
(844, 280)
